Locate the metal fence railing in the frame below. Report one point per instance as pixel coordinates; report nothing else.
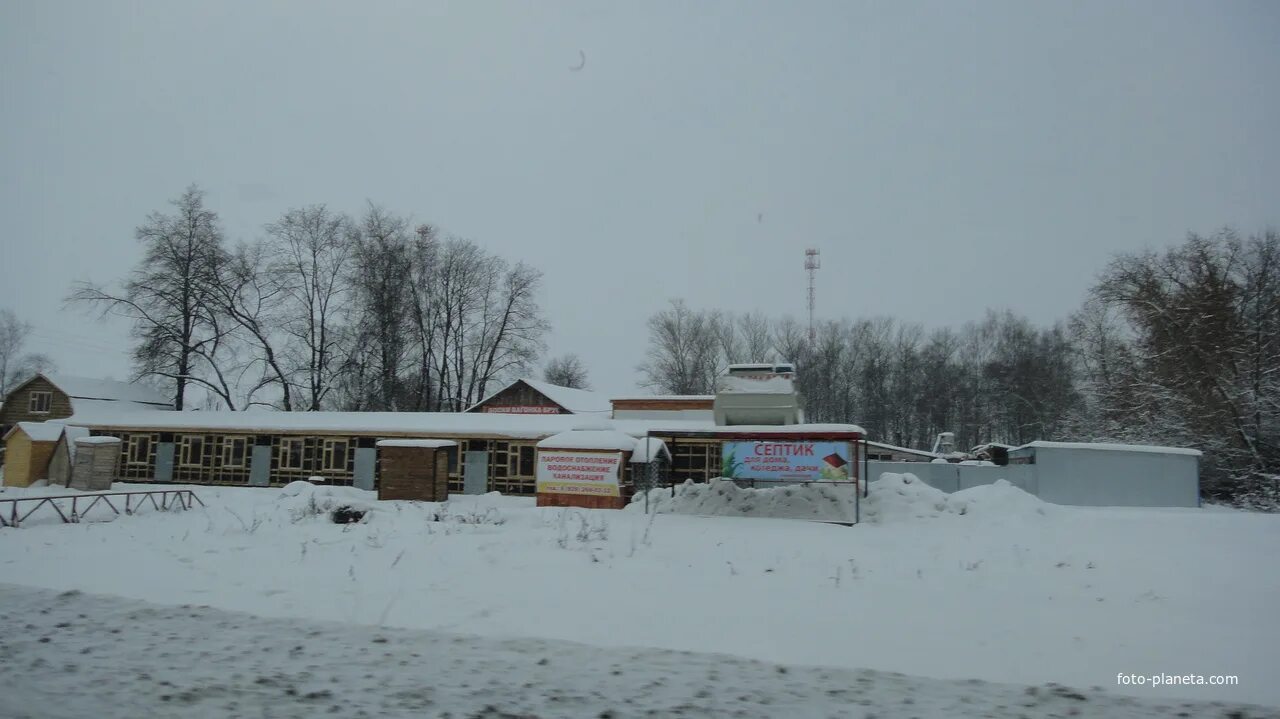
(162, 500)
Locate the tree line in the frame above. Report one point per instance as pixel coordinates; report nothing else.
(1180, 347)
(323, 311)
(329, 311)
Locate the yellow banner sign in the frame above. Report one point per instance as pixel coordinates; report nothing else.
(589, 473)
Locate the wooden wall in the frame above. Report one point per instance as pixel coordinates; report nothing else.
(226, 457)
(418, 473)
(25, 461)
(60, 463)
(17, 406)
(95, 467)
(519, 395)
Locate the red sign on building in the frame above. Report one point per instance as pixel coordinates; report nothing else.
(522, 409)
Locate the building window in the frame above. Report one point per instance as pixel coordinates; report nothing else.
(527, 454)
(192, 452)
(40, 402)
(235, 451)
(335, 454)
(139, 449)
(291, 453)
(699, 461)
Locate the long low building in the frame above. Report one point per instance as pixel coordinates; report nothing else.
(273, 448)
(496, 439)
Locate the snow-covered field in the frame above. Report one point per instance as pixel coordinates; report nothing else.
(987, 584)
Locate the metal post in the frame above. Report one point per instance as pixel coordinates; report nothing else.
(866, 469)
(647, 470)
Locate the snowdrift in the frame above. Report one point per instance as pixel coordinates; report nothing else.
(300, 500)
(722, 497)
(893, 497)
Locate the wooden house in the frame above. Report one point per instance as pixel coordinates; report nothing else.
(49, 396)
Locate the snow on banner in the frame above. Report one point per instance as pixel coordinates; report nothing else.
(810, 461)
(591, 473)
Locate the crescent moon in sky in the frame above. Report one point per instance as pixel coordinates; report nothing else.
(582, 61)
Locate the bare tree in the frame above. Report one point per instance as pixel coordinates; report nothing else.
(382, 265)
(683, 355)
(461, 281)
(15, 365)
(248, 294)
(567, 371)
(424, 314)
(509, 335)
(756, 333)
(310, 247)
(169, 299)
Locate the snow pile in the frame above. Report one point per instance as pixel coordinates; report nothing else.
(722, 497)
(893, 498)
(1000, 499)
(897, 497)
(302, 500)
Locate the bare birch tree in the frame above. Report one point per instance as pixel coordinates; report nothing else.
(168, 298)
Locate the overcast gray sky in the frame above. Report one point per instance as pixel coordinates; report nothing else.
(946, 157)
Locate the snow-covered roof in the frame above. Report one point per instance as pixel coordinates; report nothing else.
(388, 424)
(39, 431)
(70, 435)
(424, 443)
(88, 388)
(647, 448)
(98, 440)
(112, 405)
(610, 439)
(757, 366)
(781, 429)
(905, 450)
(1040, 444)
(666, 398)
(578, 401)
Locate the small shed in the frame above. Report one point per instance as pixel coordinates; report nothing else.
(1113, 475)
(415, 469)
(28, 447)
(585, 467)
(97, 463)
(64, 455)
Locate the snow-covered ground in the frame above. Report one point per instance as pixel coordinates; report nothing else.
(80, 655)
(987, 584)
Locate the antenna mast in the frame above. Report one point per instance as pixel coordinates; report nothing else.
(812, 262)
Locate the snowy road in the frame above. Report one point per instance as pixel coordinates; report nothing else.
(80, 655)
